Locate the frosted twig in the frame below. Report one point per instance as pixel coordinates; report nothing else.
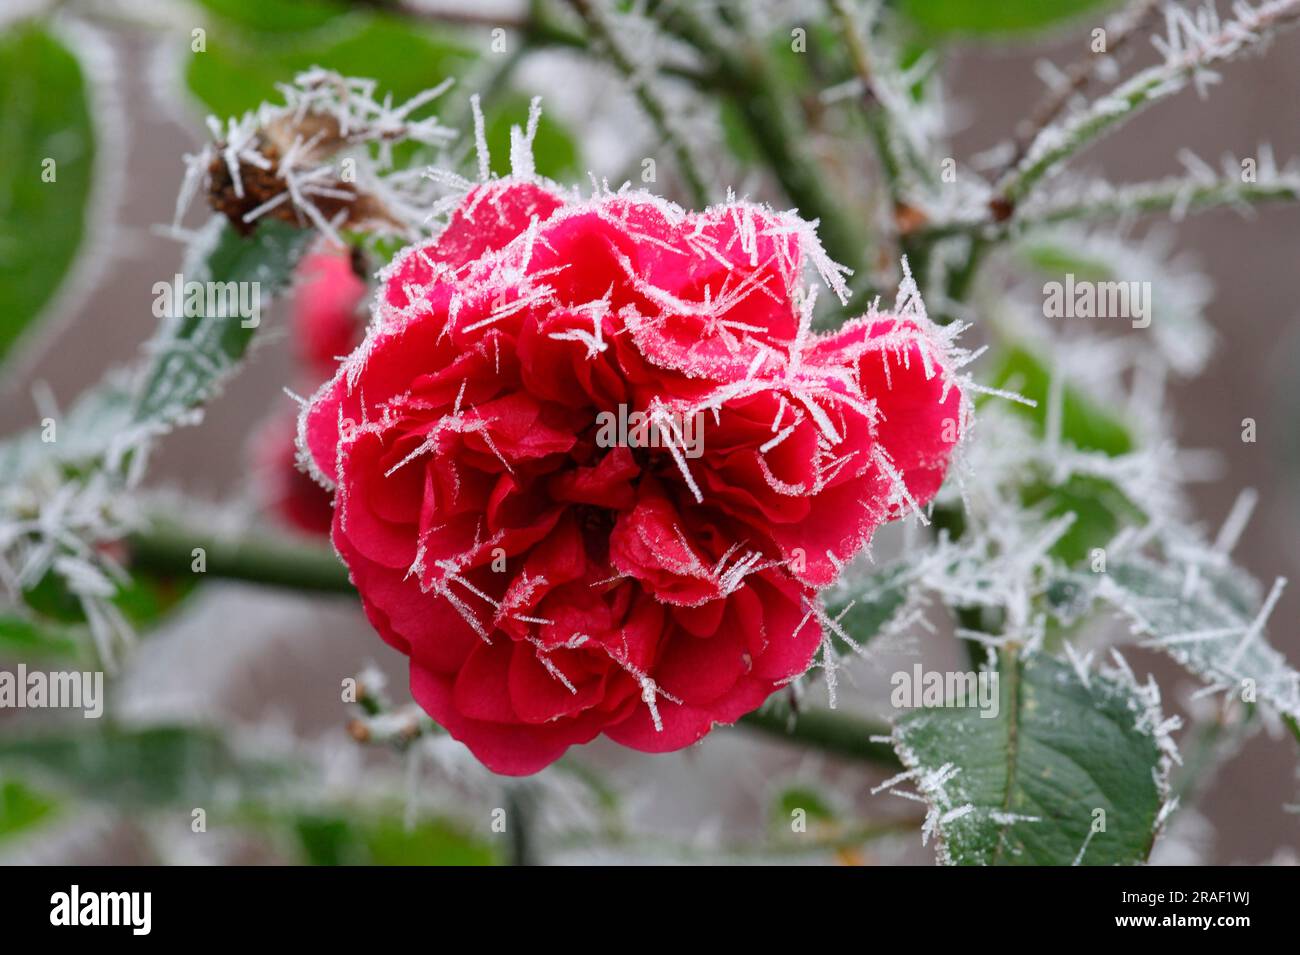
(1191, 49)
(1119, 31)
(1098, 201)
(872, 96)
(597, 20)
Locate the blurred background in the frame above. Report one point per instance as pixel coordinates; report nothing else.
(278, 673)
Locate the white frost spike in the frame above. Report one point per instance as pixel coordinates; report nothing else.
(1236, 521)
(648, 692)
(1078, 859)
(1081, 664)
(521, 143)
(676, 442)
(480, 140)
(1257, 625)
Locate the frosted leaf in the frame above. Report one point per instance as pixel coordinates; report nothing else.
(62, 501)
(1179, 330)
(1023, 786)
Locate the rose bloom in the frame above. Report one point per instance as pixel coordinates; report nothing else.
(549, 588)
(284, 492)
(327, 324)
(327, 319)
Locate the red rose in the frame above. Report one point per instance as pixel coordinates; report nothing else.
(283, 489)
(327, 324)
(326, 318)
(549, 587)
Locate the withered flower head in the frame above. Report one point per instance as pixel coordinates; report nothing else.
(323, 158)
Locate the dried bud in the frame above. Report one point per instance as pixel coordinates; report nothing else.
(311, 161)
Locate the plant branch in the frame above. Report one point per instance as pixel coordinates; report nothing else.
(654, 107)
(836, 838)
(877, 117)
(1126, 25)
(879, 104)
(770, 115)
(521, 798)
(839, 734)
(1174, 195)
(167, 547)
(858, 52)
(539, 28)
(1190, 51)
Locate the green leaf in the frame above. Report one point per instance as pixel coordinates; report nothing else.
(240, 70)
(1175, 321)
(51, 599)
(1101, 511)
(814, 805)
(59, 628)
(44, 115)
(1100, 507)
(193, 353)
(1208, 628)
(182, 366)
(1050, 258)
(339, 840)
(277, 16)
(23, 808)
(430, 843)
(145, 600)
(155, 767)
(1023, 787)
(865, 603)
(1083, 423)
(25, 639)
(555, 153)
(993, 17)
(1293, 724)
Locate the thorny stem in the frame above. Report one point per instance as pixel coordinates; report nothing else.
(876, 116)
(858, 51)
(1169, 195)
(654, 107)
(539, 29)
(167, 548)
(879, 120)
(1135, 18)
(839, 839)
(1057, 143)
(961, 279)
(170, 549)
(837, 733)
(521, 805)
(769, 112)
